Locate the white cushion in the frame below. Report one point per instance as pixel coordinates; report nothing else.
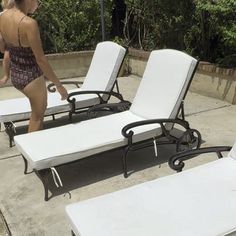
(14, 109)
(164, 84)
(19, 108)
(104, 67)
(52, 147)
(197, 202)
(101, 75)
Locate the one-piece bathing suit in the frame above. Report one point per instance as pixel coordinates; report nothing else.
(23, 66)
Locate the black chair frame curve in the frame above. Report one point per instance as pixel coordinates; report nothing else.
(176, 162)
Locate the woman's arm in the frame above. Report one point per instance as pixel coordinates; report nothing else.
(6, 68)
(34, 40)
(6, 60)
(2, 44)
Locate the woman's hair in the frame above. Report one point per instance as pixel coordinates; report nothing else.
(6, 4)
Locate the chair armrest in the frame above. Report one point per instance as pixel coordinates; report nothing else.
(51, 87)
(127, 132)
(71, 97)
(187, 138)
(176, 162)
(110, 107)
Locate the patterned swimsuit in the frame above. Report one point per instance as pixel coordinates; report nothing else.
(23, 66)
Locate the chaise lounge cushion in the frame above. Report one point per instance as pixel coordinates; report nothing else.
(19, 108)
(75, 141)
(164, 84)
(199, 201)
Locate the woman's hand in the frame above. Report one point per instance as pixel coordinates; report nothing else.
(62, 90)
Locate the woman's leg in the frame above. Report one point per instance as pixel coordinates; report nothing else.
(37, 93)
(6, 67)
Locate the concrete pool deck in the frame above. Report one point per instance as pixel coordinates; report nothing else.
(21, 196)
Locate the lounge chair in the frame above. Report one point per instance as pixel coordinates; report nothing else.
(156, 105)
(101, 76)
(197, 202)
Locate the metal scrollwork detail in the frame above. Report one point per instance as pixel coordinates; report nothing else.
(191, 139)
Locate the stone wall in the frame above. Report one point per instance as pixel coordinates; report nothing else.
(214, 81)
(67, 65)
(209, 79)
(137, 61)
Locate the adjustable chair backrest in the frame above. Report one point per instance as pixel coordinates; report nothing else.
(105, 66)
(164, 84)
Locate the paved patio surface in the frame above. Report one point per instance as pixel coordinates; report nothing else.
(21, 196)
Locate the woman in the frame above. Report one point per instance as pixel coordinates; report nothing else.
(28, 64)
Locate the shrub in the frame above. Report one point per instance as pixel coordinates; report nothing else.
(157, 23)
(213, 34)
(204, 28)
(71, 25)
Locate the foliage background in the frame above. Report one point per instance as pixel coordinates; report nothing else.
(212, 36)
(71, 25)
(205, 29)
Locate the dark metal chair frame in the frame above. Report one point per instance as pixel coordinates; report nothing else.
(187, 138)
(191, 138)
(102, 106)
(176, 162)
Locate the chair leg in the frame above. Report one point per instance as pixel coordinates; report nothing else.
(10, 132)
(43, 175)
(124, 161)
(219, 154)
(26, 165)
(70, 116)
(72, 233)
(191, 139)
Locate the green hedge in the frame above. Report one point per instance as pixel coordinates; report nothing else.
(204, 28)
(157, 24)
(212, 36)
(71, 25)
